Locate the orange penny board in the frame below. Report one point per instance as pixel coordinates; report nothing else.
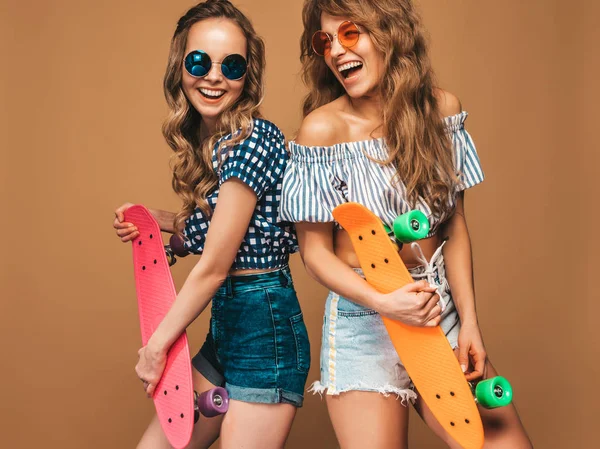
(174, 395)
(424, 351)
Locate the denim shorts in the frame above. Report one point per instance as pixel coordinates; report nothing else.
(257, 346)
(357, 353)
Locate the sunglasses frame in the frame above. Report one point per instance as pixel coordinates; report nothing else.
(336, 35)
(214, 62)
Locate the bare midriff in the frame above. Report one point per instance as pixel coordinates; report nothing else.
(242, 272)
(345, 252)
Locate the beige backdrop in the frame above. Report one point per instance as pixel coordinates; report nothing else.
(82, 107)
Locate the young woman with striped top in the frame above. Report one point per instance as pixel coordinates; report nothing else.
(378, 132)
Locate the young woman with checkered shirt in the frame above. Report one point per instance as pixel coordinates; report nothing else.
(228, 165)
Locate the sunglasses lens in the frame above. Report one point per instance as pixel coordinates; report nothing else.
(197, 63)
(234, 67)
(348, 34)
(321, 43)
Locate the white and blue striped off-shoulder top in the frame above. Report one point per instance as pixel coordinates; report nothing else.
(317, 179)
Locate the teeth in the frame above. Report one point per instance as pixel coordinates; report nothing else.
(349, 65)
(212, 93)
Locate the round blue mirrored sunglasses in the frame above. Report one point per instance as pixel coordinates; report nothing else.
(198, 64)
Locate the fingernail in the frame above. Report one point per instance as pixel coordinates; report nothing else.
(463, 368)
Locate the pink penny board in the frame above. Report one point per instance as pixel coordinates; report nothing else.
(174, 395)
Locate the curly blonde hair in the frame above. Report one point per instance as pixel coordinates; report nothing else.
(193, 175)
(414, 132)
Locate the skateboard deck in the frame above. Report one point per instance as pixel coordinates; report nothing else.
(424, 351)
(174, 394)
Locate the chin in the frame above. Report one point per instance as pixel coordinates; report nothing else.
(211, 110)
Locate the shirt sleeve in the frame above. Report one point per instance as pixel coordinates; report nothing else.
(258, 161)
(466, 160)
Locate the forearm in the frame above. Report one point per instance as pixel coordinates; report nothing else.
(327, 269)
(459, 268)
(165, 219)
(194, 296)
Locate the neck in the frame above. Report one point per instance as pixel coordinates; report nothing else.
(369, 107)
(207, 128)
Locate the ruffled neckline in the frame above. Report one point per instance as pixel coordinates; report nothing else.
(453, 124)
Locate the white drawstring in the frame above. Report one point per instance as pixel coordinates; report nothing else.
(429, 271)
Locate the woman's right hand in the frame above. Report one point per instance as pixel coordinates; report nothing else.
(125, 231)
(415, 304)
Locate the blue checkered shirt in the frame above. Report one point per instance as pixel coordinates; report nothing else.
(259, 161)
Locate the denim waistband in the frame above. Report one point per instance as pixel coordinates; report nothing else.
(281, 277)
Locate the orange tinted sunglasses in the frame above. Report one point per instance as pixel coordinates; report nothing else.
(347, 35)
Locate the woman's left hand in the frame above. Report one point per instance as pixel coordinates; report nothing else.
(150, 368)
(471, 352)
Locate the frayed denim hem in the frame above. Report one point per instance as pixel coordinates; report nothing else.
(404, 394)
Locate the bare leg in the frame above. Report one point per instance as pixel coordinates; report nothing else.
(256, 426)
(363, 419)
(502, 426)
(206, 430)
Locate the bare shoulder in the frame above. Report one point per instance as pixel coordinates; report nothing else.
(322, 127)
(448, 103)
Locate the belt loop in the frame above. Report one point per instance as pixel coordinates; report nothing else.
(228, 287)
(287, 275)
(283, 278)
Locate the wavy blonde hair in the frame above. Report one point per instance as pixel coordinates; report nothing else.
(193, 174)
(414, 132)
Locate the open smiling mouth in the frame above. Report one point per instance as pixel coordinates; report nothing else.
(350, 68)
(212, 94)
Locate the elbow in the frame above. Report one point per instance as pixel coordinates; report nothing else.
(310, 272)
(209, 274)
(311, 268)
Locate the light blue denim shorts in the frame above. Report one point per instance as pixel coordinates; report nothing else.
(356, 351)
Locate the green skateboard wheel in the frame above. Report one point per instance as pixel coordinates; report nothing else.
(493, 393)
(411, 226)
